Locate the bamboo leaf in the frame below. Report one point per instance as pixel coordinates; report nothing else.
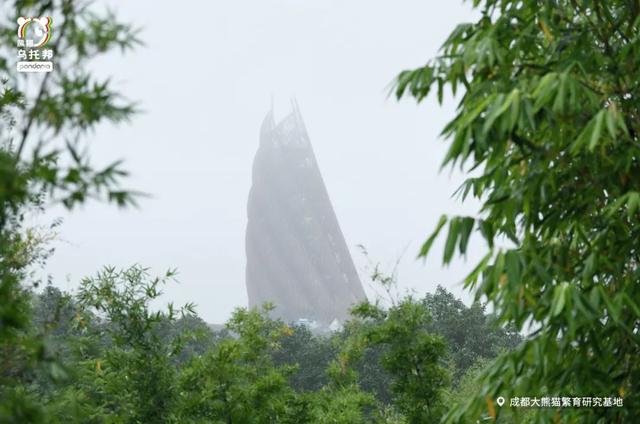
(596, 132)
(426, 247)
(452, 238)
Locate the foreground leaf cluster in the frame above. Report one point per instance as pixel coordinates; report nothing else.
(549, 122)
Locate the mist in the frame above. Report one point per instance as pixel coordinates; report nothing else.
(206, 77)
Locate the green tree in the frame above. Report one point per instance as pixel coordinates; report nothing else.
(549, 122)
(311, 354)
(470, 333)
(413, 357)
(133, 376)
(44, 124)
(196, 336)
(342, 404)
(237, 381)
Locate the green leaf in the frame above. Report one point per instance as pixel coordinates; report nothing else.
(589, 267)
(612, 122)
(544, 91)
(591, 133)
(515, 108)
(560, 101)
(487, 231)
(512, 261)
(633, 203)
(499, 106)
(452, 238)
(596, 133)
(467, 224)
(472, 278)
(559, 298)
(469, 117)
(424, 251)
(613, 309)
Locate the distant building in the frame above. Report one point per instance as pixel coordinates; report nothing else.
(297, 257)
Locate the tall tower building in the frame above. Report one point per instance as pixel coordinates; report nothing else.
(297, 257)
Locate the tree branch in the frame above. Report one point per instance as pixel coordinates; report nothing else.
(67, 10)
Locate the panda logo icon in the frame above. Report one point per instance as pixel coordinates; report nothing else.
(36, 32)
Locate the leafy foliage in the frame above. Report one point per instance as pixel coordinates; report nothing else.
(237, 382)
(43, 125)
(312, 355)
(549, 119)
(137, 380)
(470, 333)
(117, 359)
(414, 358)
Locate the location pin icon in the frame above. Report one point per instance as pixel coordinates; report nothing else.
(500, 401)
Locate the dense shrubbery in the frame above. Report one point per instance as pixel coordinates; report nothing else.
(116, 360)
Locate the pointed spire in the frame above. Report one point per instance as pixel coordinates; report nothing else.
(297, 257)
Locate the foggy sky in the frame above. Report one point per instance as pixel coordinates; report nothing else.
(205, 80)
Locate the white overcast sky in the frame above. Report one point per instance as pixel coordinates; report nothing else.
(205, 80)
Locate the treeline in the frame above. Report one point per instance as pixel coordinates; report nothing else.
(108, 356)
